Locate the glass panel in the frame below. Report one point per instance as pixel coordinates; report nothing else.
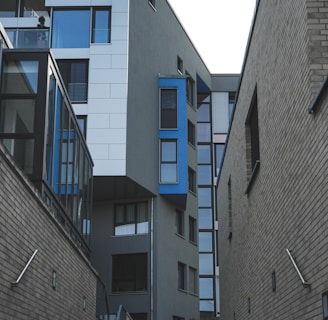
(168, 172)
(38, 38)
(325, 305)
(204, 197)
(203, 113)
(204, 175)
(68, 31)
(101, 26)
(23, 152)
(20, 77)
(17, 116)
(203, 132)
(192, 280)
(205, 264)
(206, 288)
(34, 8)
(219, 151)
(8, 8)
(206, 305)
(205, 242)
(142, 216)
(205, 218)
(169, 151)
(168, 108)
(204, 154)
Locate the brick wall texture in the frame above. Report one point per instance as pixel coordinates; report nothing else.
(287, 204)
(27, 225)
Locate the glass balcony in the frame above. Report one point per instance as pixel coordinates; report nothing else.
(29, 38)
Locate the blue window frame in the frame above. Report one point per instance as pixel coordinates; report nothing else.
(71, 28)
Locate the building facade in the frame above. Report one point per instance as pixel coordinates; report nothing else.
(272, 197)
(137, 86)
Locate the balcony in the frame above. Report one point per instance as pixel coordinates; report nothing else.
(29, 38)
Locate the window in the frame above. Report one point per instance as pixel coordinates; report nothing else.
(129, 273)
(192, 180)
(252, 134)
(325, 305)
(205, 218)
(204, 154)
(75, 76)
(204, 132)
(192, 229)
(138, 316)
(206, 264)
(177, 318)
(180, 65)
(68, 31)
(191, 133)
(204, 174)
(82, 122)
(205, 241)
(181, 276)
(190, 89)
(8, 8)
(101, 22)
(169, 105)
(206, 288)
(219, 152)
(192, 280)
(179, 222)
(169, 162)
(131, 218)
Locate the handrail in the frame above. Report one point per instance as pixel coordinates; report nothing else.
(122, 314)
(304, 283)
(15, 283)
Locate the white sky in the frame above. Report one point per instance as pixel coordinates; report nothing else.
(219, 30)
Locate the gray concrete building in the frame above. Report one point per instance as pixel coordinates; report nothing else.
(272, 191)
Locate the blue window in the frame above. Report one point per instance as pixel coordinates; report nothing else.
(71, 29)
(169, 163)
(169, 105)
(101, 25)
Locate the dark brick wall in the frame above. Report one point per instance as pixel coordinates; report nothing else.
(287, 204)
(26, 224)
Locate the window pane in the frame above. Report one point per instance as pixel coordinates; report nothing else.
(34, 8)
(142, 218)
(206, 288)
(20, 77)
(169, 151)
(129, 272)
(219, 151)
(205, 264)
(179, 222)
(101, 24)
(205, 242)
(168, 108)
(204, 197)
(206, 305)
(203, 132)
(181, 276)
(204, 175)
(204, 154)
(75, 76)
(205, 218)
(203, 113)
(17, 116)
(71, 29)
(168, 173)
(8, 8)
(23, 152)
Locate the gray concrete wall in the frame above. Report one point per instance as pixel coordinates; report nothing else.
(286, 206)
(26, 224)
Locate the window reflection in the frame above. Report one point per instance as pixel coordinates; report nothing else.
(71, 29)
(205, 242)
(205, 264)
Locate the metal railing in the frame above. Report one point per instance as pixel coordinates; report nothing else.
(304, 283)
(122, 314)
